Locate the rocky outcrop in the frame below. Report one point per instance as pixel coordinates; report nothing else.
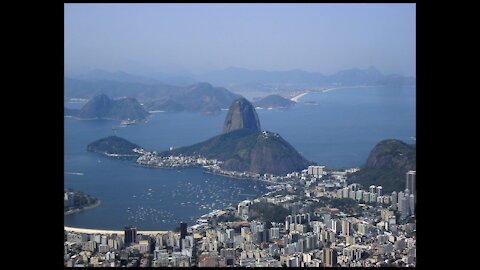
(241, 114)
(243, 147)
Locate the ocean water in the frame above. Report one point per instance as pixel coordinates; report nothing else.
(339, 132)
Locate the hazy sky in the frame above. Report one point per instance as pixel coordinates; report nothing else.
(172, 37)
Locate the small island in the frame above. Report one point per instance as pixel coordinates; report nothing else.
(274, 102)
(76, 201)
(114, 146)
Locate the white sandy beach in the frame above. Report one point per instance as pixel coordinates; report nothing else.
(297, 97)
(95, 231)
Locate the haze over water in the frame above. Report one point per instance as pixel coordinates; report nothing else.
(339, 132)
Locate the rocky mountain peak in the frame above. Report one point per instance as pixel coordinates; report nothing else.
(241, 114)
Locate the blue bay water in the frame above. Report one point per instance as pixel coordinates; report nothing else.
(339, 133)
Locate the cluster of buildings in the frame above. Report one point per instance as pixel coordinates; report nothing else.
(312, 235)
(152, 159)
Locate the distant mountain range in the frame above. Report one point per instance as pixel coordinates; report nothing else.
(352, 76)
(179, 93)
(387, 165)
(79, 88)
(200, 97)
(252, 78)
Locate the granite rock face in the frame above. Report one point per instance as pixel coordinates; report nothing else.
(244, 148)
(241, 114)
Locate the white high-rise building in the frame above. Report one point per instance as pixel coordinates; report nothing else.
(359, 195)
(379, 191)
(274, 233)
(362, 228)
(103, 240)
(404, 207)
(373, 197)
(352, 194)
(399, 198)
(373, 189)
(97, 238)
(243, 208)
(366, 197)
(288, 220)
(412, 204)
(230, 233)
(336, 225)
(315, 170)
(394, 199)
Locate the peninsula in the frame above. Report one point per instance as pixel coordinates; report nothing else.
(244, 148)
(114, 146)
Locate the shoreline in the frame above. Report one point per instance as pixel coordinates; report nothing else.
(207, 171)
(239, 177)
(139, 121)
(99, 231)
(74, 211)
(297, 97)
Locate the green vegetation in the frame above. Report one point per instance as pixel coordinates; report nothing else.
(200, 97)
(247, 150)
(228, 218)
(265, 211)
(346, 205)
(113, 145)
(80, 200)
(387, 165)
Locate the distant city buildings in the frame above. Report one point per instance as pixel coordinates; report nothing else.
(320, 230)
